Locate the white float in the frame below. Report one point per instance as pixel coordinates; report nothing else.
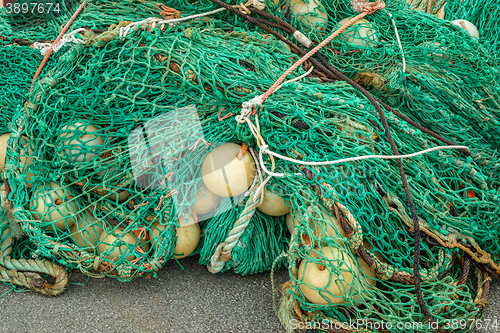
(467, 26)
(51, 203)
(81, 146)
(273, 204)
(361, 33)
(226, 175)
(205, 201)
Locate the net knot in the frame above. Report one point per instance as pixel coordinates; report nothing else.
(254, 3)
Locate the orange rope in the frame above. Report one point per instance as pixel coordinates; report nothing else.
(229, 114)
(243, 150)
(369, 8)
(47, 56)
(167, 12)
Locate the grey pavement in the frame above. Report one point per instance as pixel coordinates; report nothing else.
(190, 300)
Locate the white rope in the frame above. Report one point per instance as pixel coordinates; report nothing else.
(269, 172)
(259, 174)
(265, 150)
(399, 41)
(244, 117)
(309, 71)
(66, 39)
(124, 31)
(154, 21)
(256, 4)
(247, 109)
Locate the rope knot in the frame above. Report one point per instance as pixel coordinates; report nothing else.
(361, 6)
(372, 7)
(256, 4)
(67, 38)
(247, 108)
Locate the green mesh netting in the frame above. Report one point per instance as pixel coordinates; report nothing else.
(484, 14)
(80, 181)
(19, 65)
(105, 160)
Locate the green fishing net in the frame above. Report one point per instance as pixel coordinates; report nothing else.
(91, 176)
(105, 161)
(484, 14)
(19, 65)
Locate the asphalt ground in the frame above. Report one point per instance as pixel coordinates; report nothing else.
(191, 300)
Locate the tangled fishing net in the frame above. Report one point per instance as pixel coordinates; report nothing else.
(113, 154)
(480, 17)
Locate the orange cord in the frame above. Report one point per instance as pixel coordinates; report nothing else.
(243, 150)
(224, 117)
(167, 12)
(47, 56)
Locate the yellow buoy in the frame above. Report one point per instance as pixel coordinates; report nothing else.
(205, 201)
(328, 226)
(80, 147)
(86, 231)
(273, 204)
(120, 244)
(369, 275)
(188, 237)
(309, 12)
(122, 195)
(360, 33)
(54, 204)
(225, 174)
(319, 284)
(291, 222)
(26, 156)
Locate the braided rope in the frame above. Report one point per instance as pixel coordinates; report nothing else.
(12, 270)
(49, 51)
(224, 251)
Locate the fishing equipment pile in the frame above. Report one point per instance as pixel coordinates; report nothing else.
(114, 153)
